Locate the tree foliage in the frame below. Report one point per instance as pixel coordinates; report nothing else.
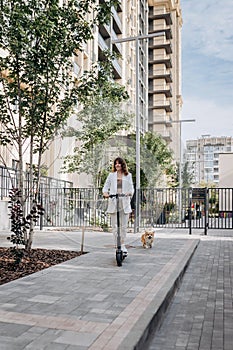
(187, 176)
(38, 91)
(103, 116)
(156, 160)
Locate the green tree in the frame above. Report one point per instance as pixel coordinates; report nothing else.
(155, 157)
(103, 116)
(37, 90)
(187, 176)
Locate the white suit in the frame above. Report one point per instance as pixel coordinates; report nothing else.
(110, 186)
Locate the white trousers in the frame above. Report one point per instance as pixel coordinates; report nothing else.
(124, 218)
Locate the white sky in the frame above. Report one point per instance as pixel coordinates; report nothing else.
(207, 68)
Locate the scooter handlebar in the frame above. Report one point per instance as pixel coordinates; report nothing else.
(118, 195)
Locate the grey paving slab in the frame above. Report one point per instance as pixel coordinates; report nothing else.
(89, 302)
(200, 316)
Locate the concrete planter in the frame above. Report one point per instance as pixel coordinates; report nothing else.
(4, 216)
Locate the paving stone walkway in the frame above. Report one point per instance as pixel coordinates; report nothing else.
(201, 314)
(90, 303)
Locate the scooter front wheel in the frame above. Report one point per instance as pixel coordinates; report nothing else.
(119, 257)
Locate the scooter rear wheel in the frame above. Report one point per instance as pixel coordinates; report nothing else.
(119, 258)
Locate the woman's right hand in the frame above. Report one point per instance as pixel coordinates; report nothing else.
(106, 195)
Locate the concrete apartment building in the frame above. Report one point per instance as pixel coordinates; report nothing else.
(203, 156)
(129, 19)
(225, 170)
(165, 100)
(158, 92)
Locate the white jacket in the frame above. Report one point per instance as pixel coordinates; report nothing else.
(110, 186)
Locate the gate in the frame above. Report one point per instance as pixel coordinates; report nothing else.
(192, 208)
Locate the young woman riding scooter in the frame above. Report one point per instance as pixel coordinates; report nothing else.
(119, 189)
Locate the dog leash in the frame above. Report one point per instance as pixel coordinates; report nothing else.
(78, 242)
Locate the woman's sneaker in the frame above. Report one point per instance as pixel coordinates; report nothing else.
(124, 250)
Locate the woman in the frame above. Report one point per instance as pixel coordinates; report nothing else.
(119, 181)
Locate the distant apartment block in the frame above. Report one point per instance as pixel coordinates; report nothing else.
(203, 157)
(226, 170)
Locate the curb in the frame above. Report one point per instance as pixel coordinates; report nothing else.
(139, 337)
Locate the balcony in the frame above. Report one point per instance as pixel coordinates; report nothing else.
(166, 16)
(157, 89)
(159, 74)
(119, 6)
(167, 46)
(102, 43)
(117, 24)
(117, 71)
(163, 119)
(105, 31)
(165, 60)
(167, 136)
(162, 105)
(167, 31)
(117, 47)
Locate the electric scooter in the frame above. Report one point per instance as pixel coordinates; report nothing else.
(120, 256)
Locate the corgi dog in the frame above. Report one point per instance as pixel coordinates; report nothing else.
(147, 239)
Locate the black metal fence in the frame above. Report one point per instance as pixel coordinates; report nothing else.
(65, 206)
(199, 208)
(9, 178)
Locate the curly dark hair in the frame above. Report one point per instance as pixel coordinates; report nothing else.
(123, 165)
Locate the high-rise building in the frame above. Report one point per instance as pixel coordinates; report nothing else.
(202, 156)
(165, 71)
(159, 63)
(152, 78)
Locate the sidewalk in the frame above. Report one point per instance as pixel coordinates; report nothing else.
(89, 302)
(200, 316)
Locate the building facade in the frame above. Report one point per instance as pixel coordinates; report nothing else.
(225, 170)
(202, 156)
(153, 79)
(165, 100)
(129, 19)
(151, 75)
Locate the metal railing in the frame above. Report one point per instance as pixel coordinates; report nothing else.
(194, 208)
(9, 178)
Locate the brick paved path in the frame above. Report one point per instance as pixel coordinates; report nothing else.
(89, 302)
(201, 314)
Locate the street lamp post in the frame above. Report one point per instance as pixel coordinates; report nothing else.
(138, 161)
(180, 148)
(180, 161)
(203, 147)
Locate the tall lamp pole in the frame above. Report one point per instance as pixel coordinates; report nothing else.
(181, 160)
(203, 147)
(137, 112)
(180, 148)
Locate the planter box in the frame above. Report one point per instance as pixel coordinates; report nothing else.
(4, 216)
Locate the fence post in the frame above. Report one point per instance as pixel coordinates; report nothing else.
(82, 242)
(190, 211)
(41, 215)
(206, 210)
